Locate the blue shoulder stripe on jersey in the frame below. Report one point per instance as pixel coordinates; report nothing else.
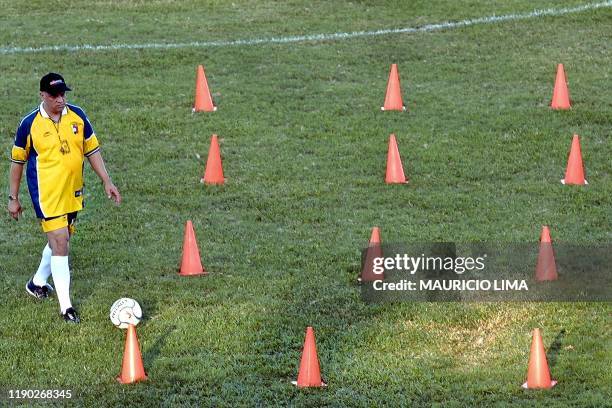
(88, 130)
(23, 130)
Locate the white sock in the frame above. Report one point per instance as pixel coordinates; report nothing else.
(44, 269)
(61, 279)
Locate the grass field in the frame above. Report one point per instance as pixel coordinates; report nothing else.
(304, 146)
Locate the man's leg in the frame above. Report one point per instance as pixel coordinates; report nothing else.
(58, 230)
(58, 241)
(38, 286)
(44, 269)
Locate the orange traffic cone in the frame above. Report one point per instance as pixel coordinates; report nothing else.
(546, 269)
(395, 170)
(538, 375)
(309, 374)
(393, 99)
(203, 100)
(132, 369)
(574, 173)
(375, 236)
(374, 251)
(213, 174)
(560, 99)
(191, 263)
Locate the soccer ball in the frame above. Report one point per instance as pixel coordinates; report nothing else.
(125, 311)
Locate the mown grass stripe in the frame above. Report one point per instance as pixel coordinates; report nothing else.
(551, 12)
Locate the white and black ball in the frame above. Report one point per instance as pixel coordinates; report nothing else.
(125, 311)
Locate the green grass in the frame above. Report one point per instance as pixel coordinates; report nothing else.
(304, 147)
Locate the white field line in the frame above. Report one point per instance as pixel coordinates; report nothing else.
(313, 37)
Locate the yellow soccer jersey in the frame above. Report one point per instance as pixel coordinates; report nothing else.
(54, 153)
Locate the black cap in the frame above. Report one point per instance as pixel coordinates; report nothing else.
(53, 84)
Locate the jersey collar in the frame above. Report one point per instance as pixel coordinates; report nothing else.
(44, 113)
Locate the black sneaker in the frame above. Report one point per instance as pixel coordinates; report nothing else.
(71, 316)
(39, 292)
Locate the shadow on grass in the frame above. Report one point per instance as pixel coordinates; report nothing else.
(152, 353)
(555, 348)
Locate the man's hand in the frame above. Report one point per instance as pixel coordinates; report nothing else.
(14, 208)
(112, 192)
(97, 164)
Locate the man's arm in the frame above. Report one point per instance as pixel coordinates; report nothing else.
(97, 164)
(14, 206)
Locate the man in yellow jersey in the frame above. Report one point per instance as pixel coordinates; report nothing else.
(53, 141)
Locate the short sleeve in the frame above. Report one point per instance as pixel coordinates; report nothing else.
(21, 148)
(91, 145)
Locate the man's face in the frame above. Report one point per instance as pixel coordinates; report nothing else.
(53, 104)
